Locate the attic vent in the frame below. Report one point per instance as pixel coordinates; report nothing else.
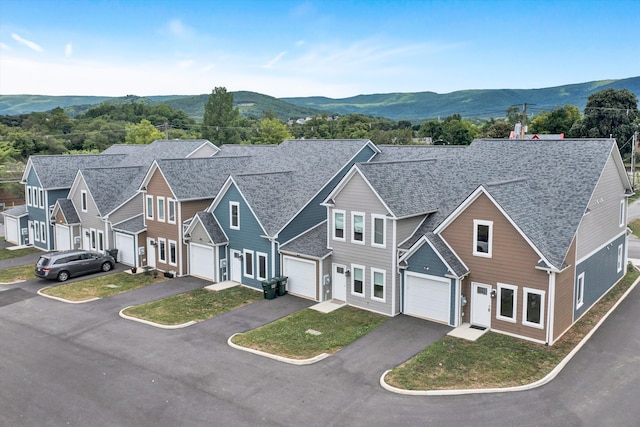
(506, 181)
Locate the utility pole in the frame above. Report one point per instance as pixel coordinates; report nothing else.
(633, 159)
(166, 130)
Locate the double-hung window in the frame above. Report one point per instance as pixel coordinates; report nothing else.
(149, 207)
(621, 218)
(580, 290)
(357, 225)
(533, 308)
(378, 284)
(172, 252)
(248, 263)
(100, 246)
(507, 303)
(357, 280)
(620, 252)
(482, 238)
(338, 224)
(41, 193)
(171, 211)
(43, 232)
(379, 230)
(83, 200)
(162, 250)
(160, 208)
(234, 214)
(262, 266)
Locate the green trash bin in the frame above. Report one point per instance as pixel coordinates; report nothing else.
(282, 285)
(113, 253)
(269, 287)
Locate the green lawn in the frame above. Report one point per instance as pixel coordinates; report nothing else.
(635, 227)
(197, 305)
(22, 272)
(496, 360)
(288, 336)
(7, 254)
(103, 286)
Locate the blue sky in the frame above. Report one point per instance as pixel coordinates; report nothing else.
(311, 48)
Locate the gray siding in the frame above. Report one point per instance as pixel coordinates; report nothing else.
(313, 214)
(205, 151)
(600, 273)
(89, 219)
(356, 196)
(426, 261)
(198, 235)
(128, 210)
(407, 226)
(247, 237)
(602, 221)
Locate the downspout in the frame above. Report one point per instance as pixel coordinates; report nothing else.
(180, 239)
(551, 310)
(394, 251)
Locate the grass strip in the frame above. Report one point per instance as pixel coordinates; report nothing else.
(196, 305)
(635, 227)
(7, 254)
(288, 337)
(21, 272)
(496, 360)
(102, 287)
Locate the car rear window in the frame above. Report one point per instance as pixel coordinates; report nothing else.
(43, 262)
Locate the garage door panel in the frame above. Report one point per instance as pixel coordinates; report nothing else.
(201, 261)
(11, 230)
(427, 298)
(126, 249)
(62, 237)
(302, 276)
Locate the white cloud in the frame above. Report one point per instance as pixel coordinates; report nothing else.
(68, 50)
(271, 63)
(177, 28)
(28, 43)
(4, 46)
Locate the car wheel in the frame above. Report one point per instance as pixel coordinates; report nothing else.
(63, 276)
(106, 266)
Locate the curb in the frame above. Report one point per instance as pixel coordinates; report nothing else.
(298, 362)
(12, 283)
(542, 381)
(39, 292)
(157, 325)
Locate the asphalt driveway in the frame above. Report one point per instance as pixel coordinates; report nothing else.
(63, 364)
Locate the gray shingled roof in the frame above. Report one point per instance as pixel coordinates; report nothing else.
(390, 153)
(162, 149)
(199, 178)
(212, 227)
(69, 211)
(133, 225)
(112, 186)
(282, 181)
(227, 150)
(312, 243)
(16, 211)
(544, 185)
(60, 171)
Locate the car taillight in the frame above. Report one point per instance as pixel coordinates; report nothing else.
(46, 269)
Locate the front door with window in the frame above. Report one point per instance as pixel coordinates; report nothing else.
(481, 305)
(151, 254)
(236, 266)
(339, 286)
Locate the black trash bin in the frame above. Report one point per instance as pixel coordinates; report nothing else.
(113, 253)
(282, 284)
(269, 288)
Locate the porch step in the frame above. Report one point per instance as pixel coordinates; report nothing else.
(222, 285)
(328, 306)
(467, 332)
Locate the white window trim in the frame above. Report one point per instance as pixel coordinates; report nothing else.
(353, 279)
(525, 307)
(93, 239)
(580, 290)
(43, 232)
(162, 255)
(100, 234)
(244, 263)
(41, 198)
(476, 223)
(622, 215)
(620, 256)
(384, 284)
(175, 245)
(84, 201)
(231, 205)
(29, 203)
(160, 213)
(364, 228)
(171, 202)
(373, 231)
(266, 265)
(36, 231)
(148, 212)
(499, 316)
(344, 225)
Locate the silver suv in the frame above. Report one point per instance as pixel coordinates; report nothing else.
(65, 264)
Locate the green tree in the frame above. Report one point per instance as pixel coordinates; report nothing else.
(220, 118)
(556, 121)
(430, 129)
(142, 133)
(496, 129)
(271, 131)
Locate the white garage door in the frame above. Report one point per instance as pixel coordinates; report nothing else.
(126, 249)
(201, 262)
(302, 276)
(63, 242)
(11, 230)
(427, 297)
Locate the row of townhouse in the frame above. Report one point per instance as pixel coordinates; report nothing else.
(521, 237)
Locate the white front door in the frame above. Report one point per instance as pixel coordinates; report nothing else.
(236, 266)
(481, 305)
(32, 233)
(86, 241)
(339, 286)
(151, 254)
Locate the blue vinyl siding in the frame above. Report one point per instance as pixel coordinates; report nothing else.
(600, 274)
(222, 254)
(37, 214)
(424, 258)
(313, 214)
(247, 237)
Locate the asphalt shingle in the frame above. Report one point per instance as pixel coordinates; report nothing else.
(312, 243)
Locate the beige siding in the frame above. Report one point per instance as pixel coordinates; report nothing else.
(564, 302)
(198, 235)
(157, 187)
(356, 196)
(406, 227)
(602, 221)
(512, 262)
(205, 151)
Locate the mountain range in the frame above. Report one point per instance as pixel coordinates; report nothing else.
(413, 106)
